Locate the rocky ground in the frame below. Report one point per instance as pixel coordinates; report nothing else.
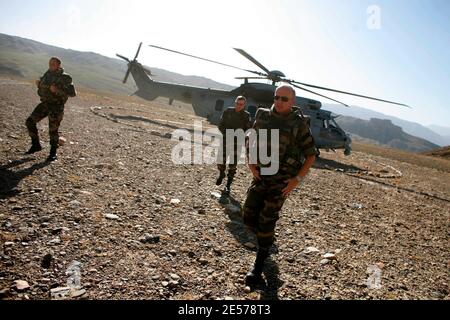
(114, 218)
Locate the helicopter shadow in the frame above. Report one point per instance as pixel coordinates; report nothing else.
(143, 119)
(10, 179)
(162, 124)
(268, 288)
(328, 164)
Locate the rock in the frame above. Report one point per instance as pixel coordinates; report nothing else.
(165, 283)
(111, 216)
(175, 201)
(103, 165)
(250, 245)
(60, 293)
(324, 261)
(62, 141)
(356, 206)
(174, 276)
(201, 211)
(329, 256)
(56, 231)
(310, 250)
(74, 204)
(4, 293)
(148, 238)
(8, 244)
(247, 289)
(216, 195)
(21, 285)
(77, 293)
(55, 241)
(203, 261)
(46, 261)
(44, 219)
(314, 206)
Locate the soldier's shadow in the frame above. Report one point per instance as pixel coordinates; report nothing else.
(233, 209)
(269, 288)
(10, 179)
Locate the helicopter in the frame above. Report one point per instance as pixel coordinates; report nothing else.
(210, 103)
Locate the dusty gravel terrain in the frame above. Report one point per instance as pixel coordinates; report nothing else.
(115, 214)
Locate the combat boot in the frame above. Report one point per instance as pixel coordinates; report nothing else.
(52, 156)
(254, 276)
(35, 146)
(228, 186)
(220, 178)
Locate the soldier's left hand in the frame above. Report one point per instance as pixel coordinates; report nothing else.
(53, 88)
(291, 185)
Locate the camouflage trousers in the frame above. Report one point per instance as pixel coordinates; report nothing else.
(262, 209)
(55, 113)
(222, 156)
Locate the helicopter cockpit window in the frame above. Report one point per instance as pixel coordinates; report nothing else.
(219, 105)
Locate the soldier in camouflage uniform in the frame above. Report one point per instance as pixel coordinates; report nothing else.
(232, 118)
(267, 193)
(54, 88)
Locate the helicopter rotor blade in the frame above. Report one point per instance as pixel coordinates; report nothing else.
(349, 93)
(126, 75)
(122, 57)
(321, 95)
(249, 57)
(137, 53)
(243, 78)
(204, 59)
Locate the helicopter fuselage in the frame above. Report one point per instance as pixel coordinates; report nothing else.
(210, 104)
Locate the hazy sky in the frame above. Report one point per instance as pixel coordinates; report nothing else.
(397, 49)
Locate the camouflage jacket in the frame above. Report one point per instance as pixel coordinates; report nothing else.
(63, 83)
(295, 139)
(234, 120)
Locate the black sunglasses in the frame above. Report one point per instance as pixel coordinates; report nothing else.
(283, 98)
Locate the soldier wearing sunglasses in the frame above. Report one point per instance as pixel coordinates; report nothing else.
(267, 193)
